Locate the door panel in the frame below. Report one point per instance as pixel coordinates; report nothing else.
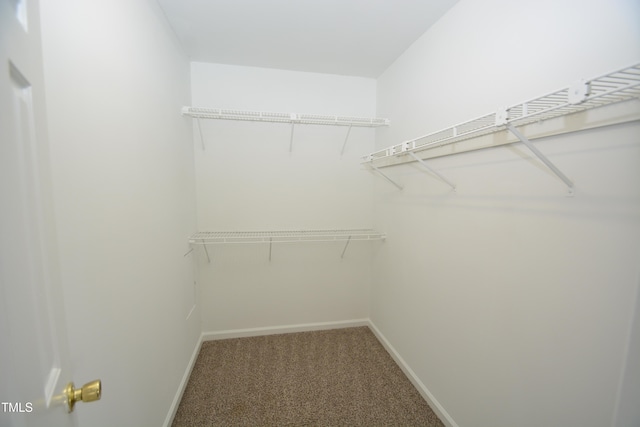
(34, 360)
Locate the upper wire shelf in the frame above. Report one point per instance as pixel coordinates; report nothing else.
(610, 88)
(221, 237)
(293, 118)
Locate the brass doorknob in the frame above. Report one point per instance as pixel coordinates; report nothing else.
(89, 392)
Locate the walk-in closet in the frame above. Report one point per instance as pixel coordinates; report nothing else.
(442, 197)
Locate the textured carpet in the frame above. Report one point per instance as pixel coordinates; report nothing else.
(341, 377)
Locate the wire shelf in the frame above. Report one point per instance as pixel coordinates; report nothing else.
(225, 237)
(265, 116)
(614, 87)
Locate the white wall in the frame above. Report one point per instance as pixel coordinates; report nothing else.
(512, 303)
(247, 179)
(123, 181)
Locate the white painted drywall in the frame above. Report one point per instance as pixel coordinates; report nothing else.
(123, 181)
(247, 179)
(627, 410)
(511, 302)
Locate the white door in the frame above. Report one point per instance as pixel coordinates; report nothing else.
(34, 360)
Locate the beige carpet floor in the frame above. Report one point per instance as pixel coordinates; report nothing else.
(340, 377)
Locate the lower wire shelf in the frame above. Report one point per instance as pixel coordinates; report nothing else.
(222, 237)
(204, 238)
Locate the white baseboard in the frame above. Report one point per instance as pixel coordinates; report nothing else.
(272, 330)
(183, 384)
(419, 385)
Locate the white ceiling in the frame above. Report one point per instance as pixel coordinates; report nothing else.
(347, 37)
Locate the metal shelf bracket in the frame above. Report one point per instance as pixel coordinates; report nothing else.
(579, 92)
(200, 132)
(542, 157)
(293, 123)
(430, 169)
(345, 247)
(345, 140)
(206, 251)
(398, 186)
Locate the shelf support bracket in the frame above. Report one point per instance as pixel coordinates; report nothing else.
(206, 251)
(293, 118)
(542, 157)
(430, 169)
(345, 247)
(398, 186)
(345, 140)
(200, 132)
(270, 246)
(291, 138)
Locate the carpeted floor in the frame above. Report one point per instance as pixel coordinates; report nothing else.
(340, 377)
